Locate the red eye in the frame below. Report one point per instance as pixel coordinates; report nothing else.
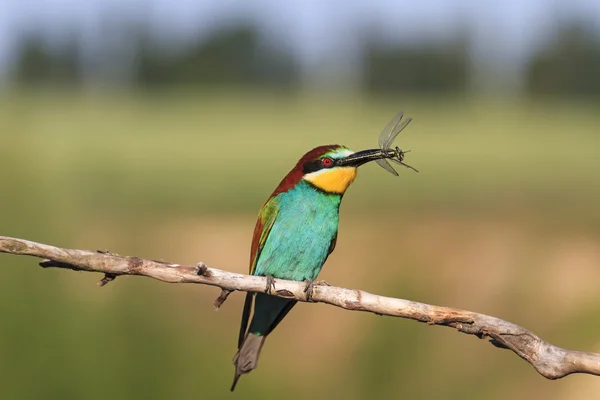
(327, 162)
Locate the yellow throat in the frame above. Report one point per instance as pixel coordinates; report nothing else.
(335, 180)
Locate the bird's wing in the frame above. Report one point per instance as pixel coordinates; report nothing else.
(332, 245)
(245, 318)
(292, 303)
(266, 218)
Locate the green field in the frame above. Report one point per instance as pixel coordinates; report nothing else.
(198, 153)
(502, 219)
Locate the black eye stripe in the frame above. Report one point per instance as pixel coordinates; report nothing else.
(313, 166)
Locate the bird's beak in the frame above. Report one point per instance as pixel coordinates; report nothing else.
(361, 157)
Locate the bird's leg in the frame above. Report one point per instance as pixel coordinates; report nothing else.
(310, 285)
(270, 284)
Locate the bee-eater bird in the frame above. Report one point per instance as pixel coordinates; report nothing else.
(295, 233)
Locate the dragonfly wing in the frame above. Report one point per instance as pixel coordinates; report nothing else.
(405, 165)
(385, 135)
(383, 163)
(397, 129)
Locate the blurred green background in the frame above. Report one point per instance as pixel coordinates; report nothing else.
(162, 146)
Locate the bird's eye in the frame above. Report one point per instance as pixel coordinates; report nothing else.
(327, 162)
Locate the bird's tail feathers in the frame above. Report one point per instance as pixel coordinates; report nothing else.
(246, 359)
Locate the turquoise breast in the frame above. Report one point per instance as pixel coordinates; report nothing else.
(300, 239)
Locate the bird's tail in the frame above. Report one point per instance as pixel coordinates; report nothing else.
(246, 359)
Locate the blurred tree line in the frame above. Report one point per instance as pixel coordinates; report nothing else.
(417, 68)
(231, 57)
(239, 56)
(568, 65)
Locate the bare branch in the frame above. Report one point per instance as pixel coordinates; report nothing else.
(550, 361)
(222, 297)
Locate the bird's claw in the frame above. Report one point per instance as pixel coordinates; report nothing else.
(310, 285)
(270, 284)
(499, 345)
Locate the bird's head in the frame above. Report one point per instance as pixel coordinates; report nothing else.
(330, 168)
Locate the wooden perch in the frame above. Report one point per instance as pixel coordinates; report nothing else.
(550, 361)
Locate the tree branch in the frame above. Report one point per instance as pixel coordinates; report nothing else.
(550, 361)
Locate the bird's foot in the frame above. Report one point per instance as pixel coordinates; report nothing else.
(310, 285)
(270, 284)
(498, 344)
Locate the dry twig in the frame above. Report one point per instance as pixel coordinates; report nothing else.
(550, 361)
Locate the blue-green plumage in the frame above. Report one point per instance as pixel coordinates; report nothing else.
(297, 229)
(295, 233)
(298, 243)
(296, 247)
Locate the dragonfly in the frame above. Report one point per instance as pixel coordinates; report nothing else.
(386, 138)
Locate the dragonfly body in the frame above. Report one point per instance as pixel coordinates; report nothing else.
(386, 138)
